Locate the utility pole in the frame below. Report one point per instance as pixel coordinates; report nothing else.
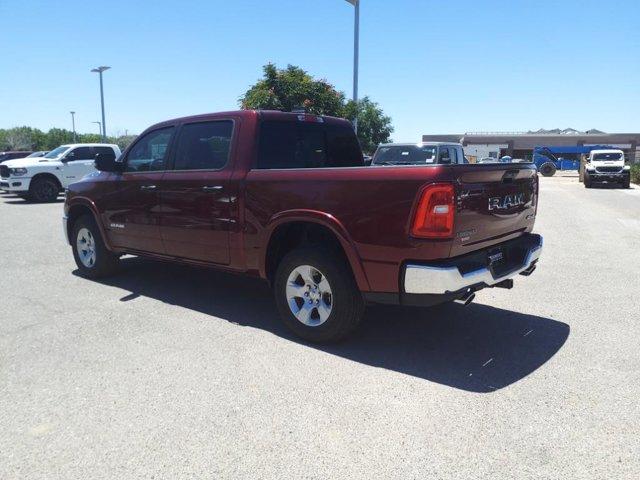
(99, 71)
(73, 125)
(356, 59)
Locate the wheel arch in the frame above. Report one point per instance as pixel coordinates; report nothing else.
(290, 229)
(82, 206)
(49, 176)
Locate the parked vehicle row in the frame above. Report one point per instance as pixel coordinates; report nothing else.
(287, 198)
(41, 179)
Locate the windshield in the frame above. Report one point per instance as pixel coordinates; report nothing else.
(405, 155)
(607, 156)
(55, 153)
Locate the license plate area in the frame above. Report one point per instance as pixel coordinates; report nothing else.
(503, 260)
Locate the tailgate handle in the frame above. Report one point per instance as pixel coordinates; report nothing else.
(509, 176)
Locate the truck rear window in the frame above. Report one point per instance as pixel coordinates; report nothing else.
(286, 144)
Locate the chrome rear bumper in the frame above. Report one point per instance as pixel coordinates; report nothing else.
(435, 280)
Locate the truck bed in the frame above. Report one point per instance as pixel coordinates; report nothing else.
(373, 207)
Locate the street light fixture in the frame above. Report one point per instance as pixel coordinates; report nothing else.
(73, 124)
(356, 55)
(100, 129)
(99, 70)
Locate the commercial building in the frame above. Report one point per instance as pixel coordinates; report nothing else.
(521, 144)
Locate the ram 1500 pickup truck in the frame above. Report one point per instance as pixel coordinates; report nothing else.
(286, 197)
(41, 179)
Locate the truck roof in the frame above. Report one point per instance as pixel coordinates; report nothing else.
(89, 145)
(417, 144)
(264, 114)
(609, 150)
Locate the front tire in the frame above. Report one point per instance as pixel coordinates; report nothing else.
(548, 169)
(587, 181)
(317, 296)
(44, 190)
(626, 183)
(92, 257)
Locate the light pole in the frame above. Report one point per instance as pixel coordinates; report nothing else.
(99, 71)
(100, 130)
(73, 124)
(356, 55)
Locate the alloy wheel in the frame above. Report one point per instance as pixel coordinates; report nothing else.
(309, 295)
(86, 247)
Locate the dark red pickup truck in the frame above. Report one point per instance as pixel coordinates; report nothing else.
(286, 197)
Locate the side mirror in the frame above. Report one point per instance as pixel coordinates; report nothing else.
(445, 160)
(68, 157)
(106, 162)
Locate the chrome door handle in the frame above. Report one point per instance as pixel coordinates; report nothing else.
(148, 187)
(212, 188)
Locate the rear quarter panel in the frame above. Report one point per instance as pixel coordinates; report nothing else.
(370, 206)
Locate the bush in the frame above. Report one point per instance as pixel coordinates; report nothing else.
(635, 173)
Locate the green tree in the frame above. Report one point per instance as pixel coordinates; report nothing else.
(123, 141)
(56, 137)
(91, 138)
(21, 138)
(293, 88)
(374, 127)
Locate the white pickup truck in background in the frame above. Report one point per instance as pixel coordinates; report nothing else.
(42, 179)
(606, 166)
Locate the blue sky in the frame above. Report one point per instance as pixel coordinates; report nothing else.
(434, 66)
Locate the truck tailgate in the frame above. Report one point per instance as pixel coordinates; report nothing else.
(494, 203)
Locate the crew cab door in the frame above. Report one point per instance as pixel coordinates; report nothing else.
(195, 194)
(132, 207)
(76, 164)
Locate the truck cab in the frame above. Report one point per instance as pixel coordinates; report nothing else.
(606, 166)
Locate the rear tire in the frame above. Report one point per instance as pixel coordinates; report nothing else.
(548, 169)
(92, 257)
(316, 295)
(44, 190)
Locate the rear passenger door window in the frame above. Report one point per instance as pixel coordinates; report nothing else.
(149, 154)
(204, 146)
(80, 153)
(103, 151)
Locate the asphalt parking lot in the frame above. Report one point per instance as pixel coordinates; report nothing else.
(170, 372)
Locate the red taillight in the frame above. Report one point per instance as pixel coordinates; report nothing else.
(435, 213)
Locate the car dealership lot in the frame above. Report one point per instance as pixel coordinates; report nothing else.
(169, 371)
